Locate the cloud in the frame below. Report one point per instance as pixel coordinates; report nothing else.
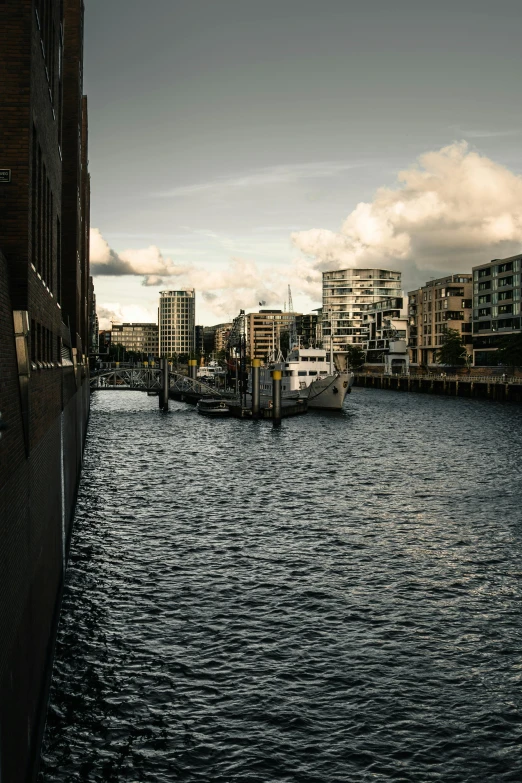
(114, 311)
(147, 261)
(452, 209)
(241, 284)
(270, 175)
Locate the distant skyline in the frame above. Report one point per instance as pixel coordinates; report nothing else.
(229, 143)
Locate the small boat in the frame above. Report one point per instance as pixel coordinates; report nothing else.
(213, 408)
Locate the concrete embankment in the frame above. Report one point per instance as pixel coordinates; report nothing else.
(507, 389)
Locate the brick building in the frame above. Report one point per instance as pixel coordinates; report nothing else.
(264, 330)
(44, 326)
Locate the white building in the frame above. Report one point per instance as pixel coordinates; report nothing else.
(177, 322)
(386, 322)
(345, 291)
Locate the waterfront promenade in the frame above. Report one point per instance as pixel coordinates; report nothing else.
(507, 388)
(337, 600)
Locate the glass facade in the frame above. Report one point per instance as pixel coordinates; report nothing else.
(177, 322)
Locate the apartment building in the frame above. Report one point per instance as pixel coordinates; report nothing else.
(345, 291)
(386, 325)
(177, 322)
(306, 327)
(445, 303)
(140, 338)
(264, 330)
(497, 295)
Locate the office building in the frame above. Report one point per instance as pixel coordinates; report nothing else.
(441, 304)
(497, 297)
(177, 322)
(140, 338)
(344, 293)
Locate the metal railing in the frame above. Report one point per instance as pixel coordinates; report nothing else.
(149, 379)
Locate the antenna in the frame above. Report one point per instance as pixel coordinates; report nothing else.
(290, 303)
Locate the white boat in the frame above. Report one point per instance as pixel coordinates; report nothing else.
(210, 372)
(308, 374)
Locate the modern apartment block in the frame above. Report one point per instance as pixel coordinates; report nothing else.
(264, 330)
(345, 291)
(497, 295)
(45, 318)
(139, 338)
(386, 325)
(306, 327)
(445, 303)
(177, 322)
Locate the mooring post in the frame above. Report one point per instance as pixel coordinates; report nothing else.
(165, 384)
(193, 369)
(276, 397)
(256, 377)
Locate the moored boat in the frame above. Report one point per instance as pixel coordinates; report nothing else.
(308, 374)
(213, 407)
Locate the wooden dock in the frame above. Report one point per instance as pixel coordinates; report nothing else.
(507, 389)
(288, 408)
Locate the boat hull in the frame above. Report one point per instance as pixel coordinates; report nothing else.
(328, 393)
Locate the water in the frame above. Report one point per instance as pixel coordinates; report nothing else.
(334, 602)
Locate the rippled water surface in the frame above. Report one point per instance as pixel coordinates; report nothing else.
(334, 601)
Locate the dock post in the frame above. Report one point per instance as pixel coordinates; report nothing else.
(165, 382)
(256, 377)
(276, 397)
(193, 368)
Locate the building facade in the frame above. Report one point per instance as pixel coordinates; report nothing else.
(386, 325)
(265, 329)
(497, 295)
(345, 291)
(306, 327)
(45, 315)
(139, 338)
(177, 322)
(445, 303)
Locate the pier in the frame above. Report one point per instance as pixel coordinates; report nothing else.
(505, 389)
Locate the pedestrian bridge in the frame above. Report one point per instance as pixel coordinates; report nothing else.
(149, 379)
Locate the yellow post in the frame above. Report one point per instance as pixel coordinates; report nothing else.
(276, 397)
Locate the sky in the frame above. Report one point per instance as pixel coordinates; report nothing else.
(239, 147)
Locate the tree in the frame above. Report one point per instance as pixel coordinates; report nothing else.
(510, 351)
(452, 351)
(356, 357)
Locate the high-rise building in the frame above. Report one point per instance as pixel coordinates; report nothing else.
(441, 304)
(497, 295)
(139, 338)
(344, 293)
(386, 322)
(177, 322)
(265, 329)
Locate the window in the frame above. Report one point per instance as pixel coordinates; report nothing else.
(484, 286)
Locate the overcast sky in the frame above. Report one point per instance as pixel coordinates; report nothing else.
(230, 141)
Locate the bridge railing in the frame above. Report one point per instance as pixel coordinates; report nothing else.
(149, 379)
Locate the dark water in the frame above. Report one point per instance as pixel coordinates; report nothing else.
(336, 601)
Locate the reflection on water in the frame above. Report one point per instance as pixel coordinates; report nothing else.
(334, 601)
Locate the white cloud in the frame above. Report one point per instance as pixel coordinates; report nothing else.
(452, 209)
(114, 311)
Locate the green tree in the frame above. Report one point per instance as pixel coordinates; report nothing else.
(356, 357)
(510, 351)
(452, 351)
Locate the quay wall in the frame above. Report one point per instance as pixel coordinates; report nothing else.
(40, 463)
(487, 387)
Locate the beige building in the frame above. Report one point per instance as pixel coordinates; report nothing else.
(140, 338)
(441, 304)
(221, 334)
(177, 322)
(264, 330)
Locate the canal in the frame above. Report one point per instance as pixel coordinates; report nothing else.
(337, 601)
